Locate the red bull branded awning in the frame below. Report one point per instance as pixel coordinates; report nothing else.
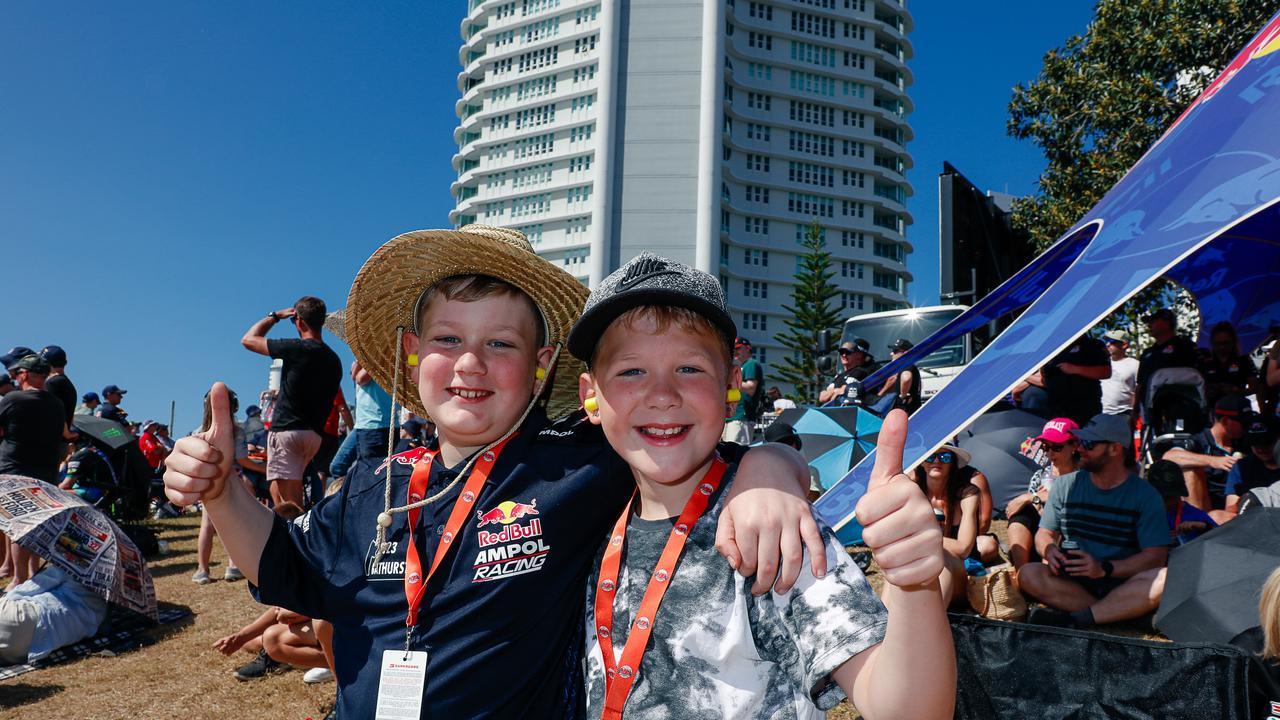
(1201, 207)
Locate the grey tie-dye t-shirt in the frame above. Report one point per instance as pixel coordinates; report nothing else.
(716, 650)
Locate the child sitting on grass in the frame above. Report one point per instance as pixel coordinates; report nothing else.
(670, 628)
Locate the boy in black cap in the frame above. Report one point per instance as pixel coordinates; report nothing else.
(1186, 521)
(668, 627)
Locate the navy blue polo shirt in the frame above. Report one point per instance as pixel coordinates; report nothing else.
(502, 618)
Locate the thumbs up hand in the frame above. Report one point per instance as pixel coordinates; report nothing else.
(198, 467)
(897, 520)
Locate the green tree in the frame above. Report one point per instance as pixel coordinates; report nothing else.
(1106, 96)
(811, 312)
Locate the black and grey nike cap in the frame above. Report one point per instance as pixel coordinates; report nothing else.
(648, 280)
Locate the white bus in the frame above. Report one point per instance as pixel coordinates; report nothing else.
(881, 329)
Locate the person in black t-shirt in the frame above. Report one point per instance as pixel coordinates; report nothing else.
(856, 363)
(58, 383)
(905, 386)
(1225, 370)
(31, 427)
(1073, 380)
(309, 382)
(1169, 350)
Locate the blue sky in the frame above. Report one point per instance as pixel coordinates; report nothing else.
(174, 171)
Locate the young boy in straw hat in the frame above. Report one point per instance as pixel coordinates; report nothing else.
(465, 598)
(668, 626)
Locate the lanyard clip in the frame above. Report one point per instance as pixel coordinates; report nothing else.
(408, 637)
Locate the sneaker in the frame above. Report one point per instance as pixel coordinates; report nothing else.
(232, 574)
(257, 667)
(201, 577)
(1050, 617)
(317, 675)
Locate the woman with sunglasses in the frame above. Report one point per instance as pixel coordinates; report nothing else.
(1024, 511)
(955, 502)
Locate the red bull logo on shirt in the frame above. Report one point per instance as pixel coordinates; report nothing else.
(513, 547)
(407, 458)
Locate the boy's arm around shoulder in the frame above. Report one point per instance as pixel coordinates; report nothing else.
(767, 523)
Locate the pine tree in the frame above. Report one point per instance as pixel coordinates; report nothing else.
(811, 313)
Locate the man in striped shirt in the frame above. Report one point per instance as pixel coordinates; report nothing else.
(1113, 567)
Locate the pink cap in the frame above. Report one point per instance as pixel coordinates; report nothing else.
(1058, 430)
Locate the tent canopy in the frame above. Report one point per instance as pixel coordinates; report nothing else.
(1202, 207)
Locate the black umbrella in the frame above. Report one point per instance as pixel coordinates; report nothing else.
(108, 432)
(1211, 593)
(1007, 471)
(995, 441)
(1004, 420)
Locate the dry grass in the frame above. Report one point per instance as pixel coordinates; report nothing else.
(180, 675)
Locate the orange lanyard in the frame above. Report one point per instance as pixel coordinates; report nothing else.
(415, 585)
(620, 678)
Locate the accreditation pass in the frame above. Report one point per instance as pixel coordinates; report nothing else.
(400, 685)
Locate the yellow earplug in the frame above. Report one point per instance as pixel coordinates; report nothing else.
(591, 405)
(734, 395)
(540, 373)
(412, 360)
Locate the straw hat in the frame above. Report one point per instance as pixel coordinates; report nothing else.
(385, 294)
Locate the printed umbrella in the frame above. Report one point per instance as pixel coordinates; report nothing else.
(834, 438)
(1211, 594)
(108, 432)
(60, 527)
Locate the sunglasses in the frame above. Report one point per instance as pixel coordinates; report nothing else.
(1091, 444)
(945, 456)
(1055, 447)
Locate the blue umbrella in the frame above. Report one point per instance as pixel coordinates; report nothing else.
(834, 439)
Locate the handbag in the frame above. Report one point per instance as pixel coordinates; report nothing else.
(995, 595)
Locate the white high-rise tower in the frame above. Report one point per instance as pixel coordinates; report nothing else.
(710, 132)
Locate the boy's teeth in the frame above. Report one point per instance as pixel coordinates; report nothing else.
(662, 432)
(469, 394)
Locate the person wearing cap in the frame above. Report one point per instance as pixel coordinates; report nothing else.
(1169, 349)
(6, 384)
(309, 381)
(58, 383)
(1117, 521)
(1259, 467)
(15, 353)
(149, 443)
(1212, 453)
(88, 404)
(1186, 521)
(856, 363)
(109, 409)
(655, 336)
(466, 327)
(747, 411)
(1119, 391)
(32, 424)
(904, 387)
(1225, 370)
(1024, 510)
